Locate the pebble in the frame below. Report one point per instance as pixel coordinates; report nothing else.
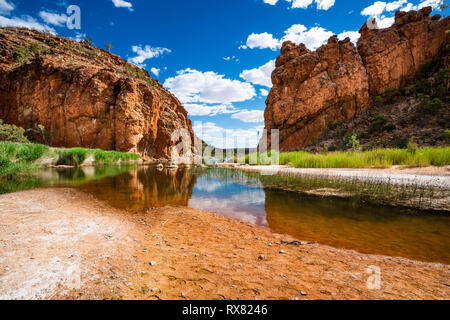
(152, 263)
(234, 286)
(261, 257)
(282, 251)
(303, 293)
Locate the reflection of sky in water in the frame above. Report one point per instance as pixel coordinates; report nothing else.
(230, 199)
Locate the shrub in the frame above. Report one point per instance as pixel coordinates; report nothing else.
(353, 142)
(12, 133)
(433, 106)
(446, 135)
(71, 157)
(391, 94)
(87, 41)
(25, 53)
(378, 123)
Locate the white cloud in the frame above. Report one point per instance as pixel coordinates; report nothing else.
(123, 4)
(271, 2)
(227, 138)
(25, 22)
(264, 92)
(375, 9)
(261, 41)
(249, 116)
(6, 6)
(324, 4)
(261, 75)
(353, 35)
(146, 53)
(192, 86)
(303, 4)
(312, 38)
(209, 110)
(155, 71)
(54, 19)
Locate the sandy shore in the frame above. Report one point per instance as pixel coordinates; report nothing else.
(64, 244)
(431, 177)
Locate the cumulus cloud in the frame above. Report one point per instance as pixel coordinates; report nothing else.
(54, 19)
(264, 92)
(271, 2)
(261, 75)
(24, 22)
(249, 116)
(146, 53)
(209, 110)
(312, 38)
(155, 71)
(193, 86)
(6, 6)
(224, 138)
(123, 4)
(320, 4)
(261, 41)
(353, 35)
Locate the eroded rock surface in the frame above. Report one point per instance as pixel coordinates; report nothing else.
(338, 81)
(84, 96)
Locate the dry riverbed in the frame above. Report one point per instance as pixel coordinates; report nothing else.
(64, 244)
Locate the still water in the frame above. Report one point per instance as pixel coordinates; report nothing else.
(334, 222)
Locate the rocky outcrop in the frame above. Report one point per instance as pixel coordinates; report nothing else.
(338, 81)
(84, 96)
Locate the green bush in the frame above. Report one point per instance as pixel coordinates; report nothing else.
(378, 123)
(433, 106)
(72, 157)
(446, 135)
(26, 53)
(12, 133)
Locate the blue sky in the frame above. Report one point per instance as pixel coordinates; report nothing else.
(216, 56)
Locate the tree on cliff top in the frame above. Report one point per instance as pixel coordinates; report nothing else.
(443, 5)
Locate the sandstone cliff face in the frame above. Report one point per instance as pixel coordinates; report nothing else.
(338, 81)
(85, 97)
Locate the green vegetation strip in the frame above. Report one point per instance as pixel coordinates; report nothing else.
(374, 158)
(19, 158)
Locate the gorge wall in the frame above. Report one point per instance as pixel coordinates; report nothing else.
(84, 96)
(338, 80)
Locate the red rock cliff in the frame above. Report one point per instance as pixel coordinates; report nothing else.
(336, 82)
(84, 96)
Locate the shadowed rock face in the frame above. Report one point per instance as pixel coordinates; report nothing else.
(85, 97)
(336, 82)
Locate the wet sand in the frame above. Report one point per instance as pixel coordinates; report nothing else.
(65, 244)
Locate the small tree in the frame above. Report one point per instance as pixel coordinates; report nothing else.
(108, 46)
(88, 41)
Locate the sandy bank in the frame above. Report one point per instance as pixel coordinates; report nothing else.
(431, 177)
(64, 244)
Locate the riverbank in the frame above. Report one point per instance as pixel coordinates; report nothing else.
(18, 159)
(64, 244)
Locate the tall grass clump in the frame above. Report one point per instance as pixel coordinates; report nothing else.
(412, 156)
(18, 158)
(103, 157)
(72, 157)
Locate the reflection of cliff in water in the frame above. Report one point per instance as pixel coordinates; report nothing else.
(145, 188)
(367, 229)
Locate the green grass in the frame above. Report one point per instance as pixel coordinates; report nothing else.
(102, 156)
(375, 158)
(19, 158)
